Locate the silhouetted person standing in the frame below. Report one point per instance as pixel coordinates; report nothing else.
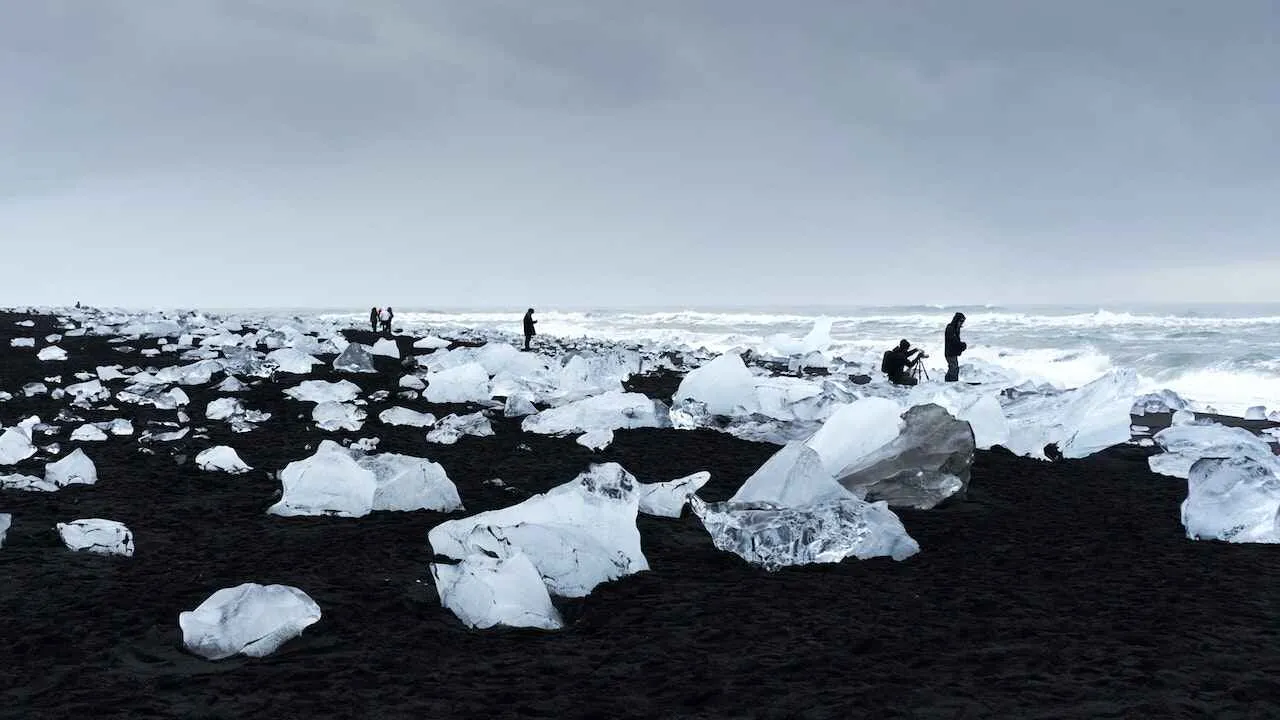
(529, 332)
(373, 319)
(953, 347)
(386, 317)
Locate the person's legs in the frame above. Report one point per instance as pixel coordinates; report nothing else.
(953, 368)
(527, 338)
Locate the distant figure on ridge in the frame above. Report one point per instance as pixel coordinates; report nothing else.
(529, 332)
(373, 319)
(898, 362)
(386, 316)
(953, 347)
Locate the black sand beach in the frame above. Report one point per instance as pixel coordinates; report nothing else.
(1054, 590)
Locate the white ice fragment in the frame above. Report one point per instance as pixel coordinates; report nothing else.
(386, 347)
(221, 458)
(483, 591)
(318, 391)
(23, 342)
(595, 439)
(74, 469)
(88, 433)
(1257, 412)
(467, 383)
(577, 535)
(1183, 445)
(724, 385)
(794, 476)
(855, 430)
(451, 428)
(407, 483)
(223, 408)
(105, 537)
(412, 382)
(293, 361)
(355, 359)
(1234, 499)
(430, 342)
(613, 410)
(6, 521)
(89, 391)
(518, 406)
(824, 532)
(404, 416)
(333, 416)
(1080, 422)
(109, 372)
(330, 482)
(249, 619)
(231, 384)
(15, 445)
(667, 499)
(53, 352)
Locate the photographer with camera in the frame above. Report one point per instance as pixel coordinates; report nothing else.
(898, 363)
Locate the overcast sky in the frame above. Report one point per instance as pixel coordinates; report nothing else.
(434, 153)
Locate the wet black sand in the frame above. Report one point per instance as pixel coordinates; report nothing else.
(1054, 590)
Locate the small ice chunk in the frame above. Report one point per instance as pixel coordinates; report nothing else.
(412, 382)
(386, 347)
(89, 391)
(1163, 401)
(330, 482)
(6, 521)
(484, 591)
(577, 535)
(724, 385)
(1183, 417)
(32, 389)
(613, 410)
(407, 483)
(53, 352)
(596, 439)
(451, 428)
(22, 342)
(290, 360)
(824, 532)
(74, 469)
(221, 458)
(467, 383)
(1234, 499)
(667, 499)
(1257, 412)
(15, 445)
(431, 342)
(518, 406)
(355, 359)
(249, 619)
(231, 384)
(223, 408)
(792, 477)
(109, 372)
(318, 391)
(404, 416)
(333, 416)
(105, 537)
(88, 433)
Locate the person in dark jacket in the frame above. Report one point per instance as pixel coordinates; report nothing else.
(529, 332)
(387, 315)
(898, 362)
(373, 319)
(953, 347)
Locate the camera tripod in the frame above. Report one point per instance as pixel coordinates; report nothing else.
(918, 371)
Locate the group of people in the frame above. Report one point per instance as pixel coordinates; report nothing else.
(381, 317)
(899, 363)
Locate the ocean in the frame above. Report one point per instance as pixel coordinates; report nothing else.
(1223, 358)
